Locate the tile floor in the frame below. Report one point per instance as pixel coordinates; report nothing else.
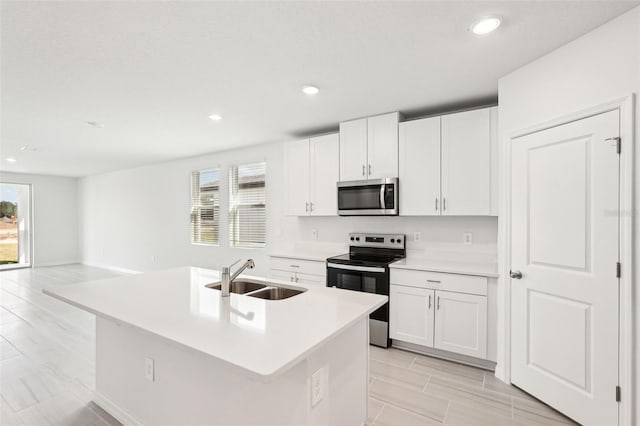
(47, 369)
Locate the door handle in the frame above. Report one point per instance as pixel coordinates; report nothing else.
(515, 275)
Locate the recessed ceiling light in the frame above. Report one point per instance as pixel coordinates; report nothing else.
(215, 117)
(310, 90)
(11, 159)
(485, 25)
(95, 124)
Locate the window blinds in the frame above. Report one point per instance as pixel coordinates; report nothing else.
(247, 205)
(205, 206)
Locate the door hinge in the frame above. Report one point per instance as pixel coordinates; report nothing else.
(618, 141)
(618, 270)
(618, 391)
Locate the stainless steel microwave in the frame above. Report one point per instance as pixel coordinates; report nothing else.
(374, 197)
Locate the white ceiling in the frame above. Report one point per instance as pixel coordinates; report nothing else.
(153, 72)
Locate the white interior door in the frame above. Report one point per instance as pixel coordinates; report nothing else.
(325, 173)
(565, 244)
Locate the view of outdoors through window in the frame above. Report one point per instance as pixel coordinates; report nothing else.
(247, 205)
(205, 206)
(8, 224)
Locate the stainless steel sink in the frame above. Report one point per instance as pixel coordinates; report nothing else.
(276, 293)
(239, 286)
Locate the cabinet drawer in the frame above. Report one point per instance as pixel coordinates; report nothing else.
(297, 265)
(439, 281)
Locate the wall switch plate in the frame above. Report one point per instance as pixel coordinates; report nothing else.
(417, 236)
(317, 388)
(149, 369)
(314, 233)
(467, 238)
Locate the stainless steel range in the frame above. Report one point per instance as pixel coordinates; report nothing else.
(366, 268)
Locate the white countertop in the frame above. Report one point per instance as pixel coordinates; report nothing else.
(316, 256)
(483, 269)
(263, 337)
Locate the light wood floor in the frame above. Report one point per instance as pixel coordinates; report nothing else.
(47, 369)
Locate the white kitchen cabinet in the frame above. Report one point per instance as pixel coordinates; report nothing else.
(466, 163)
(353, 150)
(461, 323)
(297, 176)
(411, 314)
(369, 147)
(439, 310)
(448, 165)
(306, 272)
(382, 146)
(325, 173)
(311, 169)
(419, 162)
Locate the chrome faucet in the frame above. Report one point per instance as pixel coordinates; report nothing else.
(227, 278)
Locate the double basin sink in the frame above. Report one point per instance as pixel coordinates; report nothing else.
(258, 289)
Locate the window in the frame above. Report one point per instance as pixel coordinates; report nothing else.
(247, 205)
(205, 206)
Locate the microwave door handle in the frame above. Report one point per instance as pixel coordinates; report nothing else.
(382, 203)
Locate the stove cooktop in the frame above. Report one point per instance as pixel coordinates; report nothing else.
(364, 259)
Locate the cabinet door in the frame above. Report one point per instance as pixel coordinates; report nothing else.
(283, 275)
(419, 149)
(353, 150)
(296, 173)
(411, 314)
(309, 279)
(466, 163)
(325, 173)
(382, 148)
(461, 323)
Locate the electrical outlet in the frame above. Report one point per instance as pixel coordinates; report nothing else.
(314, 233)
(317, 388)
(468, 238)
(417, 236)
(149, 369)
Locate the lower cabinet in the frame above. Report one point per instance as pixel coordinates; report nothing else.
(296, 271)
(451, 321)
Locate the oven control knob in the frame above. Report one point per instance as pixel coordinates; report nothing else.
(399, 240)
(352, 238)
(393, 241)
(357, 238)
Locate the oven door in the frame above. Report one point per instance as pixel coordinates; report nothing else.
(368, 279)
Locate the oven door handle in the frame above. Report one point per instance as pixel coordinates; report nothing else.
(356, 268)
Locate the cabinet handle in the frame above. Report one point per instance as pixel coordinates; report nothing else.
(444, 204)
(436, 203)
(306, 207)
(433, 281)
(296, 279)
(369, 169)
(291, 278)
(311, 207)
(294, 266)
(438, 303)
(363, 170)
(429, 301)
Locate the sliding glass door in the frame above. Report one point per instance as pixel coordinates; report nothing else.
(15, 225)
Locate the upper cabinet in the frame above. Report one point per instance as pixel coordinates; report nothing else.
(369, 147)
(448, 165)
(311, 173)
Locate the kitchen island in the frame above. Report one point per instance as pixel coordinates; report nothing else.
(170, 350)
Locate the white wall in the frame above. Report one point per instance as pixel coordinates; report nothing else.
(128, 216)
(55, 217)
(599, 67)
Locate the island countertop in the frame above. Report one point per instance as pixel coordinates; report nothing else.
(262, 337)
